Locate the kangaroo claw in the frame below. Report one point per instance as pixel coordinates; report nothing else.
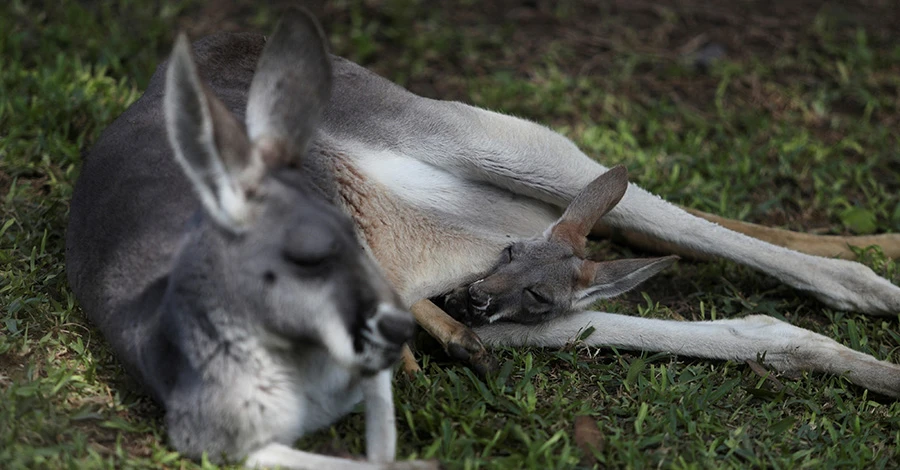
(458, 340)
(465, 345)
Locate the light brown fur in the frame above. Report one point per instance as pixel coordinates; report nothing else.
(408, 244)
(828, 246)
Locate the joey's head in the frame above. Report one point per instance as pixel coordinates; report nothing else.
(284, 263)
(542, 278)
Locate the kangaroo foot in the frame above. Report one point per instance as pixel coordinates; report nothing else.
(457, 339)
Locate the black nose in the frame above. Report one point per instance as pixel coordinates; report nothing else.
(397, 330)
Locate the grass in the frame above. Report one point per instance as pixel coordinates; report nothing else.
(798, 125)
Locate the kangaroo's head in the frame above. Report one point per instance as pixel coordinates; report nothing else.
(542, 278)
(268, 256)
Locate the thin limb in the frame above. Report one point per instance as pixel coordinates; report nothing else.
(381, 425)
(286, 457)
(457, 339)
(784, 346)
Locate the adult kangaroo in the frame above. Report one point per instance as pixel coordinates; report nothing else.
(220, 274)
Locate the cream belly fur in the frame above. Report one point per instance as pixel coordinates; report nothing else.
(398, 201)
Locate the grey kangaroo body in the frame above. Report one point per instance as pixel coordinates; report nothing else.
(436, 190)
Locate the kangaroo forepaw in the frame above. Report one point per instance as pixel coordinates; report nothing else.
(483, 364)
(465, 345)
(458, 340)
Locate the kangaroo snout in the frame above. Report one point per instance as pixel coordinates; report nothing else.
(379, 340)
(388, 328)
(479, 300)
(396, 326)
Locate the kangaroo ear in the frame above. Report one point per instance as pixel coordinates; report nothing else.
(209, 143)
(595, 200)
(290, 89)
(608, 279)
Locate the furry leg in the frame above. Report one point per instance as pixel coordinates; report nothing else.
(786, 347)
(381, 426)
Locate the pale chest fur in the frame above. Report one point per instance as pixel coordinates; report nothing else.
(430, 230)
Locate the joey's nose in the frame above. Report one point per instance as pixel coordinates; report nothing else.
(477, 298)
(396, 329)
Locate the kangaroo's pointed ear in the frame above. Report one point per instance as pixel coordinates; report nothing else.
(208, 141)
(290, 89)
(594, 201)
(602, 280)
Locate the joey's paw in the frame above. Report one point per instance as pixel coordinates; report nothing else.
(457, 305)
(484, 364)
(465, 345)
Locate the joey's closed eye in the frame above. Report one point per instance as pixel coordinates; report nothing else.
(536, 296)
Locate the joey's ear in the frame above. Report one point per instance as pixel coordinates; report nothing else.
(595, 200)
(611, 278)
(290, 89)
(208, 141)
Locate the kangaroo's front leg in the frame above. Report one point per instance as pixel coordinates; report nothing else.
(381, 429)
(457, 339)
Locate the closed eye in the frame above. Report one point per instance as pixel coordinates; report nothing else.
(536, 296)
(306, 259)
(309, 245)
(310, 254)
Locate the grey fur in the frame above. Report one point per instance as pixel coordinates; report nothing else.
(545, 277)
(238, 296)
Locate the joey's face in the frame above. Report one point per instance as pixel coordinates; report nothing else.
(318, 287)
(540, 279)
(532, 281)
(537, 280)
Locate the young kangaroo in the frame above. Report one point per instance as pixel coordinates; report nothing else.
(538, 290)
(227, 284)
(539, 279)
